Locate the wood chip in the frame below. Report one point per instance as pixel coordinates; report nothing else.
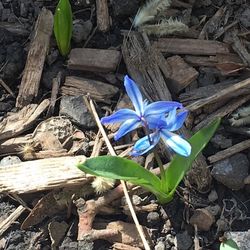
(98, 90)
(191, 46)
(35, 60)
(94, 60)
(102, 15)
(213, 61)
(15, 145)
(226, 93)
(181, 74)
(45, 174)
(21, 121)
(229, 151)
(223, 111)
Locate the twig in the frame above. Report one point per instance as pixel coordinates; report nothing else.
(196, 239)
(4, 225)
(112, 152)
(6, 87)
(96, 143)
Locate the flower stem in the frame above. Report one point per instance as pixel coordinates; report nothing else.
(160, 165)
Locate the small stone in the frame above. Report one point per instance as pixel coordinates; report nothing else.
(153, 218)
(221, 142)
(232, 171)
(183, 241)
(74, 108)
(245, 18)
(137, 200)
(214, 210)
(9, 160)
(213, 196)
(170, 239)
(160, 246)
(242, 239)
(167, 227)
(203, 219)
(81, 30)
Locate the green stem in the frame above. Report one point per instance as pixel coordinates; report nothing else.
(160, 165)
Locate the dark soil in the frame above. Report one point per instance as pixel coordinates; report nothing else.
(167, 222)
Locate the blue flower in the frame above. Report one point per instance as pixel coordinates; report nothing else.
(163, 130)
(143, 114)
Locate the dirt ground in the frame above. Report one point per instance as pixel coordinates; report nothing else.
(206, 68)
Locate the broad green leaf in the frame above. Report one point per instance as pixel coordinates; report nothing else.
(229, 245)
(63, 26)
(180, 165)
(115, 167)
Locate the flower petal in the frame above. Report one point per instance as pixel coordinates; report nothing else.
(176, 121)
(134, 94)
(175, 142)
(156, 121)
(161, 107)
(143, 145)
(126, 127)
(120, 116)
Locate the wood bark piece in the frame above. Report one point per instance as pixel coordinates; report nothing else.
(212, 61)
(240, 48)
(94, 60)
(181, 74)
(56, 82)
(4, 225)
(102, 15)
(191, 46)
(223, 111)
(98, 90)
(143, 66)
(56, 200)
(21, 121)
(38, 175)
(229, 151)
(15, 145)
(213, 23)
(35, 60)
(226, 93)
(202, 92)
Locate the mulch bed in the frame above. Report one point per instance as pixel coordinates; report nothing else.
(47, 125)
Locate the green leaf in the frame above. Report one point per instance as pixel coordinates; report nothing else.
(229, 245)
(115, 167)
(63, 26)
(180, 165)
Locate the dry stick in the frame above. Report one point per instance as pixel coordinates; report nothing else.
(226, 93)
(112, 152)
(4, 225)
(221, 155)
(6, 87)
(97, 139)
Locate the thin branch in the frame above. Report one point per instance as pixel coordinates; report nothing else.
(112, 152)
